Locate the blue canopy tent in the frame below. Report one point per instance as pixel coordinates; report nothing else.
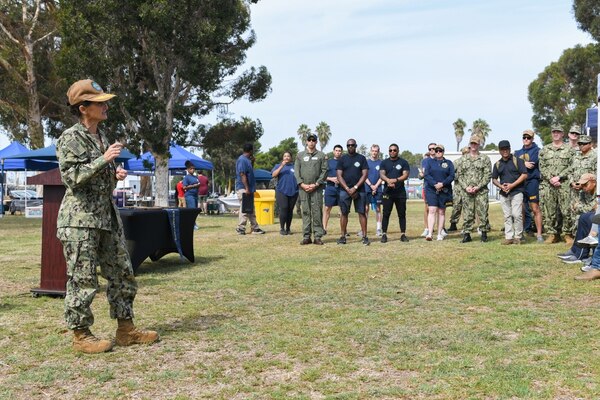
(8, 163)
(144, 165)
(49, 153)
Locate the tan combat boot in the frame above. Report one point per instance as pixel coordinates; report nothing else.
(552, 239)
(84, 341)
(569, 239)
(128, 334)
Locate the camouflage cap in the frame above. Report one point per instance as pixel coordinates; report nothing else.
(475, 139)
(575, 129)
(87, 90)
(557, 128)
(440, 146)
(584, 139)
(585, 178)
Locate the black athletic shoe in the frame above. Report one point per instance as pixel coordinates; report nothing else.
(341, 240)
(403, 238)
(384, 238)
(240, 231)
(365, 241)
(283, 232)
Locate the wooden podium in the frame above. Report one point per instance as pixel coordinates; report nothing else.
(54, 268)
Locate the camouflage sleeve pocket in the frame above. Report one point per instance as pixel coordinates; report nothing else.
(72, 234)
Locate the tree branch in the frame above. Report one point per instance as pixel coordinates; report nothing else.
(13, 72)
(43, 37)
(35, 17)
(11, 37)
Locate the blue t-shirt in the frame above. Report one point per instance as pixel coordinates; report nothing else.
(286, 181)
(373, 175)
(331, 170)
(190, 180)
(352, 167)
(244, 165)
(394, 169)
(439, 171)
(531, 154)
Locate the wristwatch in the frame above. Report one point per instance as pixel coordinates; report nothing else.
(355, 187)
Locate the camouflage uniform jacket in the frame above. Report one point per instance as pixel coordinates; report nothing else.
(556, 161)
(584, 202)
(583, 164)
(88, 178)
(475, 171)
(458, 187)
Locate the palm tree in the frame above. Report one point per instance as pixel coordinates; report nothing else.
(459, 131)
(303, 132)
(482, 129)
(323, 133)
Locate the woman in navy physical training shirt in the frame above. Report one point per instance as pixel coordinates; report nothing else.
(286, 192)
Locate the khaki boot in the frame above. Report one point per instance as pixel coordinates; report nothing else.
(84, 341)
(128, 334)
(569, 239)
(552, 239)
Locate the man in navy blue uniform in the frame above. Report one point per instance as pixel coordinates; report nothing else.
(530, 155)
(332, 188)
(394, 171)
(352, 170)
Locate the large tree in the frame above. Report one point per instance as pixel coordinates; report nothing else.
(587, 14)
(169, 62)
(267, 160)
(481, 129)
(323, 134)
(459, 131)
(29, 86)
(223, 144)
(565, 89)
(303, 132)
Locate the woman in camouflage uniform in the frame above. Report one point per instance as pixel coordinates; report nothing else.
(89, 225)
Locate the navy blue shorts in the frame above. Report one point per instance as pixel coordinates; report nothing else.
(438, 199)
(532, 191)
(378, 197)
(332, 196)
(346, 202)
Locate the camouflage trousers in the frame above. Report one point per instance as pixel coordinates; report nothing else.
(556, 202)
(85, 250)
(312, 213)
(475, 205)
(457, 205)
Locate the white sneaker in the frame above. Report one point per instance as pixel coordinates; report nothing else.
(359, 234)
(378, 233)
(425, 233)
(586, 268)
(444, 232)
(589, 240)
(440, 237)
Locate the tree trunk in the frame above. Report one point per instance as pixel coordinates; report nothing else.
(161, 185)
(34, 116)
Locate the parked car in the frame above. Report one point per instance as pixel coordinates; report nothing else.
(18, 199)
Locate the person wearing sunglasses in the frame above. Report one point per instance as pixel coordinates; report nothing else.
(310, 170)
(556, 160)
(474, 176)
(352, 170)
(394, 172)
(439, 175)
(529, 153)
(430, 155)
(90, 227)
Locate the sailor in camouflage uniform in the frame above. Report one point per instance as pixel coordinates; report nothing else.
(475, 175)
(584, 162)
(89, 225)
(457, 192)
(556, 161)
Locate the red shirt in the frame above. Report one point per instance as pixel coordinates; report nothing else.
(203, 188)
(179, 187)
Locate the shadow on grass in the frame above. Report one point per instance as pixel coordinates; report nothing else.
(193, 323)
(173, 264)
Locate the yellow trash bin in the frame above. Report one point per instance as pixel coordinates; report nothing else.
(264, 206)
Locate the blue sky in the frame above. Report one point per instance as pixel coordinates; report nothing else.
(385, 71)
(402, 71)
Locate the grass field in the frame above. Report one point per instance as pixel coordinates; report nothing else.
(261, 317)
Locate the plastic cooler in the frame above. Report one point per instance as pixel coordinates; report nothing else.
(264, 206)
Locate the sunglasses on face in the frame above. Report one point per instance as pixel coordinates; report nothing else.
(393, 150)
(311, 140)
(527, 137)
(431, 148)
(438, 150)
(582, 144)
(351, 145)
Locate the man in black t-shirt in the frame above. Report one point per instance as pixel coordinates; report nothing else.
(394, 171)
(352, 169)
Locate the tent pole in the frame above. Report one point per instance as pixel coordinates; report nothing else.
(2, 189)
